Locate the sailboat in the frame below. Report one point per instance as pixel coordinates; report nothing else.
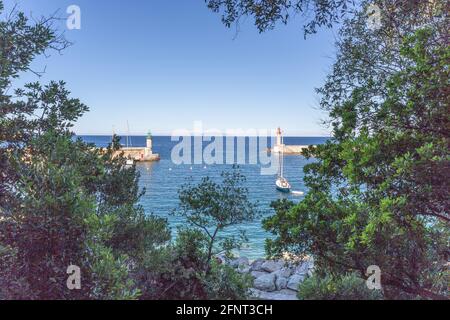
(282, 184)
(129, 161)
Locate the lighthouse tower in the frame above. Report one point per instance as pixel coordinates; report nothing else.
(279, 141)
(279, 137)
(148, 148)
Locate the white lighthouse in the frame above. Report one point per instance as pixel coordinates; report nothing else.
(148, 149)
(279, 141)
(279, 136)
(280, 147)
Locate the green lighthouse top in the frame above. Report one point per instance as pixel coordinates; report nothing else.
(149, 135)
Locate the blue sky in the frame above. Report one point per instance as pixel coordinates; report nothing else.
(163, 64)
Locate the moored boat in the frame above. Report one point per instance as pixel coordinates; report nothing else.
(281, 183)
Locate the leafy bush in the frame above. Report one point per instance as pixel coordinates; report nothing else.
(183, 271)
(211, 207)
(347, 287)
(62, 201)
(378, 189)
(224, 282)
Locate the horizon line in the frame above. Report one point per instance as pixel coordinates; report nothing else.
(197, 135)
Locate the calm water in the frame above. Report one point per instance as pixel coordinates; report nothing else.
(162, 179)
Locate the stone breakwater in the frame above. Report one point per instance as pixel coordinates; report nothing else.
(274, 279)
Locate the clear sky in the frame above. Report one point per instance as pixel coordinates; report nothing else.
(163, 64)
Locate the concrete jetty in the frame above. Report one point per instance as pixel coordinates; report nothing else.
(139, 154)
(287, 149)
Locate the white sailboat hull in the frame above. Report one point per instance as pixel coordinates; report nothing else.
(283, 185)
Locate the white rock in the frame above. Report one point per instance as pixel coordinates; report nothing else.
(254, 293)
(243, 268)
(276, 295)
(257, 274)
(284, 272)
(271, 266)
(302, 268)
(241, 261)
(233, 263)
(256, 265)
(289, 292)
(294, 281)
(265, 282)
(281, 283)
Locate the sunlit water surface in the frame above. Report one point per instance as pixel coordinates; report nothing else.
(162, 180)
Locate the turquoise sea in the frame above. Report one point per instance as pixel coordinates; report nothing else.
(162, 179)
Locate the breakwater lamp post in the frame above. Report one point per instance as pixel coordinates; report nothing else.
(148, 150)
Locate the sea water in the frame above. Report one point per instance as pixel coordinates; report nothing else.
(162, 180)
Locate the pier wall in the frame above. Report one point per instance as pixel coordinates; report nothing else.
(140, 154)
(288, 149)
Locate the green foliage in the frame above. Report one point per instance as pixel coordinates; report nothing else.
(315, 14)
(110, 276)
(346, 287)
(12, 285)
(225, 283)
(190, 269)
(182, 271)
(62, 202)
(211, 207)
(378, 191)
(267, 14)
(177, 273)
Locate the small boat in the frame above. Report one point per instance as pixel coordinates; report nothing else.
(129, 162)
(281, 183)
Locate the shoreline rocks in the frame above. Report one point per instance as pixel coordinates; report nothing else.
(274, 279)
(265, 282)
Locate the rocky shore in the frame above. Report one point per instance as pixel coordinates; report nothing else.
(274, 279)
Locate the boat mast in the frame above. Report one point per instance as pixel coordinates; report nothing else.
(279, 163)
(128, 133)
(282, 156)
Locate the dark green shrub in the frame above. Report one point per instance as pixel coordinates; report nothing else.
(224, 283)
(347, 287)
